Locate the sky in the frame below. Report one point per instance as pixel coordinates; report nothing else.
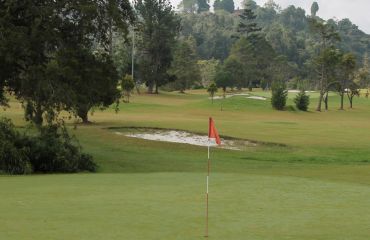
(357, 11)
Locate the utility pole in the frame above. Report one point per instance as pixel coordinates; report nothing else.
(133, 59)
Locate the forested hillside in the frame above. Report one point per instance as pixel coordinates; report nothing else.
(287, 30)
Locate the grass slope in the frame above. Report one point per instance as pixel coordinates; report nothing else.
(315, 187)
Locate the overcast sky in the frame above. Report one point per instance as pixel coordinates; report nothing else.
(358, 11)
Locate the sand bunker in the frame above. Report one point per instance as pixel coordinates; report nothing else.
(298, 91)
(187, 138)
(229, 96)
(257, 98)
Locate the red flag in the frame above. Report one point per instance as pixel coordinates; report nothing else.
(212, 132)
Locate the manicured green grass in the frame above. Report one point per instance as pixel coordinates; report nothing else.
(312, 183)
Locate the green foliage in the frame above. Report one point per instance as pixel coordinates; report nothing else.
(184, 65)
(54, 150)
(194, 6)
(127, 86)
(223, 80)
(207, 70)
(203, 6)
(248, 26)
(157, 29)
(314, 9)
(279, 95)
(212, 32)
(302, 101)
(212, 89)
(51, 150)
(13, 156)
(46, 48)
(226, 5)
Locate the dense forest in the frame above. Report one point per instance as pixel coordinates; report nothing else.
(213, 40)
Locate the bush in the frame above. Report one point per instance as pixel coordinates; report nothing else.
(52, 150)
(302, 101)
(55, 151)
(279, 96)
(13, 156)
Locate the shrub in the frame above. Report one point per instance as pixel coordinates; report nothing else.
(279, 96)
(127, 85)
(13, 157)
(302, 100)
(51, 150)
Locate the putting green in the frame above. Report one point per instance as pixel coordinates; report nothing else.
(171, 206)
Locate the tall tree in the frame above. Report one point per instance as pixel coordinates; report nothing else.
(158, 27)
(208, 71)
(226, 5)
(314, 9)
(348, 67)
(184, 65)
(203, 6)
(327, 36)
(39, 35)
(248, 26)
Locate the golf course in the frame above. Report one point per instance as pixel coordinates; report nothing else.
(306, 175)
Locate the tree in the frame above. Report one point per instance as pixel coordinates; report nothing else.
(302, 100)
(188, 6)
(184, 65)
(327, 55)
(348, 66)
(226, 5)
(212, 89)
(352, 91)
(37, 46)
(157, 28)
(314, 9)
(236, 70)
(127, 86)
(279, 95)
(194, 6)
(248, 26)
(223, 80)
(203, 6)
(207, 70)
(93, 77)
(363, 74)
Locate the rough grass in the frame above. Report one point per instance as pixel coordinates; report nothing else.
(316, 186)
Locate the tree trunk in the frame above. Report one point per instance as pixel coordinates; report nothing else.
(341, 100)
(322, 91)
(351, 102)
(156, 88)
(83, 114)
(38, 120)
(326, 100)
(320, 101)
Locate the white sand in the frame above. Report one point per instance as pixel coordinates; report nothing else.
(229, 96)
(298, 91)
(257, 98)
(185, 138)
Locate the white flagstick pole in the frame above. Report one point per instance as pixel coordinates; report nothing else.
(208, 169)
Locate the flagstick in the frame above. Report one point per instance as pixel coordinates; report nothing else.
(207, 190)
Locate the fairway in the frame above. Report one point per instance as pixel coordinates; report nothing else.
(307, 177)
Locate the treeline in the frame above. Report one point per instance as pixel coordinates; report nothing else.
(253, 47)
